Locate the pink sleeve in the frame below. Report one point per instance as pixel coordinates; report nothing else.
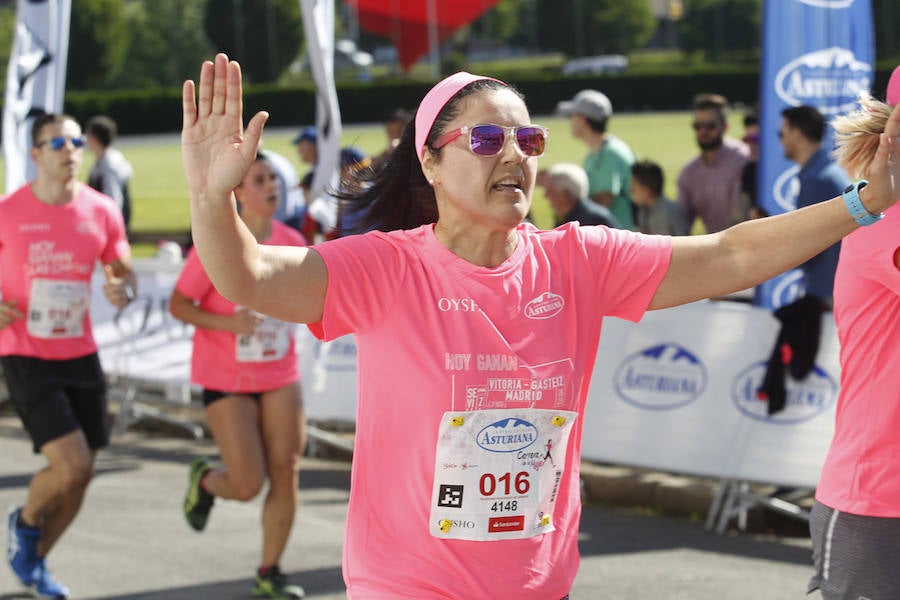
(364, 275)
(628, 268)
(193, 281)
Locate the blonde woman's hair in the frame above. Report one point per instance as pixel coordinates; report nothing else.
(857, 134)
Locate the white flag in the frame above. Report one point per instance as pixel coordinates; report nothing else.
(318, 26)
(35, 80)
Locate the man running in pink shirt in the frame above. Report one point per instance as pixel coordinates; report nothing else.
(53, 231)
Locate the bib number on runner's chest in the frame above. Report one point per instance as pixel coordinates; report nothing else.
(497, 473)
(56, 308)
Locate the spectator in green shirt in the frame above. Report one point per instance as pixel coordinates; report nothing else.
(608, 164)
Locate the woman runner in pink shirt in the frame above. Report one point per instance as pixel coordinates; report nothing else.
(476, 332)
(855, 522)
(247, 367)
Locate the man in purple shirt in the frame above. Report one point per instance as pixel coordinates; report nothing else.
(709, 186)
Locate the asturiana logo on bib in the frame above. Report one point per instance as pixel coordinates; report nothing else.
(828, 3)
(661, 377)
(830, 79)
(806, 399)
(545, 306)
(507, 435)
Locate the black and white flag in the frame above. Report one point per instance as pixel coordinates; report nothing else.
(35, 80)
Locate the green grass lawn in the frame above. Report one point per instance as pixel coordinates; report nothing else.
(159, 190)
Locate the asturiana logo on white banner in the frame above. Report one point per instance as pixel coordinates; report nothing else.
(661, 377)
(806, 399)
(830, 79)
(828, 3)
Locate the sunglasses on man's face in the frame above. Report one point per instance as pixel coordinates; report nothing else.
(488, 140)
(59, 142)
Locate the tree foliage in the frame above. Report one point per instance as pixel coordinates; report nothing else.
(167, 43)
(264, 35)
(98, 41)
(886, 14)
(719, 28)
(585, 27)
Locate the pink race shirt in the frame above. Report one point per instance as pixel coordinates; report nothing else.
(47, 256)
(862, 471)
(217, 360)
(437, 335)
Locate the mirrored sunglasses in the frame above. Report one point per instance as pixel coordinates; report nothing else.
(488, 140)
(59, 142)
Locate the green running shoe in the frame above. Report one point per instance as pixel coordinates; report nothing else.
(197, 501)
(274, 584)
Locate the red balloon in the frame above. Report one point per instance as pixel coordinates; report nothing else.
(405, 22)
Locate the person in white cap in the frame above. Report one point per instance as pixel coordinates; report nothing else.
(608, 164)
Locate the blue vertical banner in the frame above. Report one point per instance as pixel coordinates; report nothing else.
(815, 52)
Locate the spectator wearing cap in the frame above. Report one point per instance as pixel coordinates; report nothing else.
(305, 141)
(709, 186)
(352, 160)
(608, 164)
(566, 188)
(653, 212)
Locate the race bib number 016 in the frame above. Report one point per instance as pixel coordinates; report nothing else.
(497, 473)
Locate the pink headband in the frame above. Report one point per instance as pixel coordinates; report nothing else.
(893, 88)
(435, 100)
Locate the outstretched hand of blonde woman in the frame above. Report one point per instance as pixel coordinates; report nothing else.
(883, 175)
(215, 148)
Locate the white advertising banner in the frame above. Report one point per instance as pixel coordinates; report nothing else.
(675, 392)
(35, 80)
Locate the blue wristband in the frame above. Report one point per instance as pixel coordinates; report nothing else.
(855, 205)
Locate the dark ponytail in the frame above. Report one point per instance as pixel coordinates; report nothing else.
(397, 195)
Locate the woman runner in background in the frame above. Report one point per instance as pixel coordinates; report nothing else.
(247, 367)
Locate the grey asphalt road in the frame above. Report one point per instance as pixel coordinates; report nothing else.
(130, 541)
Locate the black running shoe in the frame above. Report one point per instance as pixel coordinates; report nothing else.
(274, 584)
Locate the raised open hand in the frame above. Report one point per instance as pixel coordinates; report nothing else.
(215, 148)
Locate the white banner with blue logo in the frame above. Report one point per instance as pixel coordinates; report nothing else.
(818, 53)
(677, 392)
